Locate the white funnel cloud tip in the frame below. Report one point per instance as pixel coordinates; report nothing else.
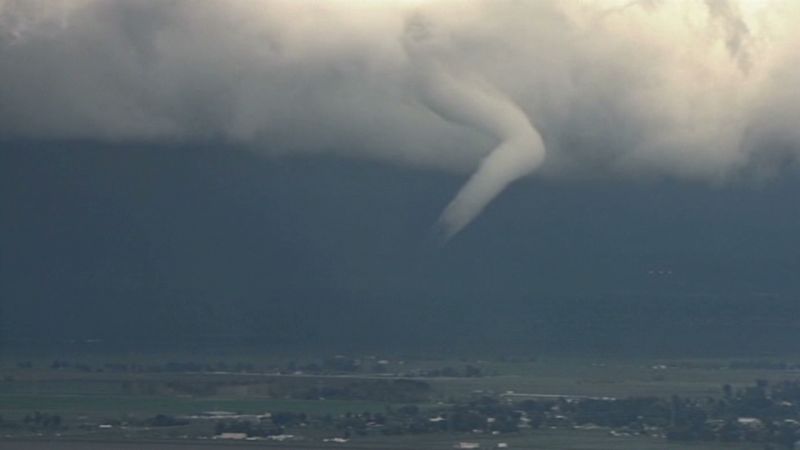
(512, 159)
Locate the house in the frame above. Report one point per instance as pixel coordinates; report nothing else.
(750, 422)
(234, 436)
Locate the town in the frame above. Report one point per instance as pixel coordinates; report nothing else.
(350, 401)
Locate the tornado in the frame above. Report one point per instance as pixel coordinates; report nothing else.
(473, 102)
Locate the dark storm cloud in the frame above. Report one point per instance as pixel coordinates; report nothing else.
(702, 89)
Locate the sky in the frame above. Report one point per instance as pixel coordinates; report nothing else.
(595, 145)
(500, 89)
(169, 246)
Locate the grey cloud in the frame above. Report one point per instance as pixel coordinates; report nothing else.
(703, 89)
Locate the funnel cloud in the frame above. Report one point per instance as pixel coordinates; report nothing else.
(692, 90)
(477, 104)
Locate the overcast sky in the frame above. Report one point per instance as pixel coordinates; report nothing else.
(616, 172)
(502, 89)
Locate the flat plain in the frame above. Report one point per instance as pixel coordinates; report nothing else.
(87, 398)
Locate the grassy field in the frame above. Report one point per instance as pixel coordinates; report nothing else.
(108, 406)
(544, 440)
(65, 391)
(614, 378)
(99, 396)
(572, 376)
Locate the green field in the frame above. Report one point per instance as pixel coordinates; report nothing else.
(102, 406)
(545, 440)
(99, 397)
(615, 378)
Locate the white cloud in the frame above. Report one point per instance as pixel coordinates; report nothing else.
(696, 89)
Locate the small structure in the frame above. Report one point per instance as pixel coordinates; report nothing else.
(750, 423)
(281, 437)
(234, 436)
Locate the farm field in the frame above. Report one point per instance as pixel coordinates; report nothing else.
(548, 440)
(103, 408)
